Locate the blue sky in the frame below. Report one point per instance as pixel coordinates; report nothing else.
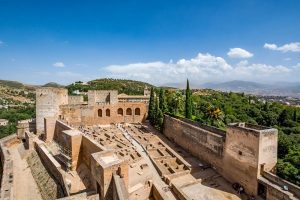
(155, 41)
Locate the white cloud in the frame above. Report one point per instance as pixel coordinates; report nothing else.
(293, 47)
(202, 68)
(239, 53)
(58, 64)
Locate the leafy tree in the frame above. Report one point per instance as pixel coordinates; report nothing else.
(188, 101)
(175, 103)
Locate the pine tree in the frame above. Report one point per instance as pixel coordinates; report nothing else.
(151, 113)
(162, 101)
(188, 101)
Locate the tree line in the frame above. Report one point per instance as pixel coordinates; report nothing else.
(222, 108)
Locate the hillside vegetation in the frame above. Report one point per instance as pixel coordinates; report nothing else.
(15, 93)
(221, 108)
(129, 87)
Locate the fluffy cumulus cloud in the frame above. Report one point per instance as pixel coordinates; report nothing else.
(239, 53)
(58, 64)
(292, 47)
(202, 68)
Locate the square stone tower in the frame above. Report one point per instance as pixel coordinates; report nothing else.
(48, 101)
(102, 97)
(248, 149)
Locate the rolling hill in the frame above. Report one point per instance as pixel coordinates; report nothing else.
(130, 87)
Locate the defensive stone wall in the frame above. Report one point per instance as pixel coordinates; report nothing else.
(7, 178)
(200, 142)
(53, 167)
(281, 183)
(238, 154)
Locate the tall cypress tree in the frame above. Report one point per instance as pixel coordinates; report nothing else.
(151, 110)
(162, 100)
(188, 101)
(295, 117)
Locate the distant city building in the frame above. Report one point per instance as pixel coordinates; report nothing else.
(3, 122)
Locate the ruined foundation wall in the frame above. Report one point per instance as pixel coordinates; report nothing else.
(201, 143)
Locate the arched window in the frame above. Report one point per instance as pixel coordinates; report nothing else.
(107, 112)
(120, 112)
(137, 111)
(128, 111)
(99, 113)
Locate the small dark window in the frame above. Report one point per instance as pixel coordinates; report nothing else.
(107, 112)
(240, 153)
(120, 112)
(128, 111)
(99, 113)
(137, 111)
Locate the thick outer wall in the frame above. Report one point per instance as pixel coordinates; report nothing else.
(200, 143)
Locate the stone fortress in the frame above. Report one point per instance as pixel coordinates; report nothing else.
(105, 149)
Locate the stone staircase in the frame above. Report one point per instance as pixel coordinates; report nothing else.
(49, 189)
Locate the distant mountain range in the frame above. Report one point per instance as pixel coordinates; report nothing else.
(276, 89)
(136, 87)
